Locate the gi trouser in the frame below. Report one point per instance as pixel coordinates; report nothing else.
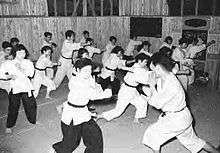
(30, 108)
(89, 131)
(173, 125)
(115, 84)
(66, 68)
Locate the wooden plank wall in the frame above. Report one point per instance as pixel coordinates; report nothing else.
(30, 30)
(24, 8)
(143, 7)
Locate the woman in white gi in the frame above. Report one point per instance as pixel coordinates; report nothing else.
(109, 47)
(69, 50)
(128, 93)
(76, 121)
(176, 119)
(18, 71)
(40, 77)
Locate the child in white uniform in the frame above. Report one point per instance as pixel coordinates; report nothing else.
(176, 119)
(40, 77)
(128, 93)
(68, 53)
(18, 71)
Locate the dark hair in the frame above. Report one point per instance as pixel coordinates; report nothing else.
(183, 40)
(81, 52)
(117, 49)
(144, 43)
(166, 62)
(47, 34)
(6, 44)
(86, 32)
(112, 38)
(168, 38)
(82, 62)
(89, 40)
(45, 48)
(142, 57)
(54, 44)
(18, 48)
(14, 39)
(166, 51)
(69, 33)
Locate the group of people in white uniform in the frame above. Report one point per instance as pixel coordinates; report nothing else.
(157, 79)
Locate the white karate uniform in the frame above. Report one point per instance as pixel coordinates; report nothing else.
(191, 53)
(21, 83)
(129, 94)
(3, 83)
(179, 55)
(145, 52)
(81, 91)
(40, 77)
(66, 61)
(113, 62)
(92, 50)
(177, 121)
(130, 48)
(107, 52)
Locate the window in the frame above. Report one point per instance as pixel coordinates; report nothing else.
(205, 7)
(189, 7)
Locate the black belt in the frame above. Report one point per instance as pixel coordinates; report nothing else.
(164, 113)
(76, 106)
(66, 57)
(129, 85)
(40, 69)
(110, 69)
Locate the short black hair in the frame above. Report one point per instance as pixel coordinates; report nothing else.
(117, 49)
(18, 48)
(6, 44)
(47, 34)
(45, 48)
(89, 40)
(112, 38)
(142, 57)
(168, 38)
(81, 52)
(182, 41)
(165, 61)
(85, 32)
(82, 62)
(69, 33)
(166, 51)
(14, 39)
(54, 44)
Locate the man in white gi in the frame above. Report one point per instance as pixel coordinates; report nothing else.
(68, 54)
(91, 48)
(176, 119)
(128, 93)
(109, 47)
(40, 76)
(129, 51)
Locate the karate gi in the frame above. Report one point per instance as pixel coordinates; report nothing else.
(92, 50)
(66, 58)
(128, 94)
(4, 84)
(21, 90)
(176, 121)
(107, 52)
(179, 56)
(40, 77)
(107, 76)
(76, 121)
